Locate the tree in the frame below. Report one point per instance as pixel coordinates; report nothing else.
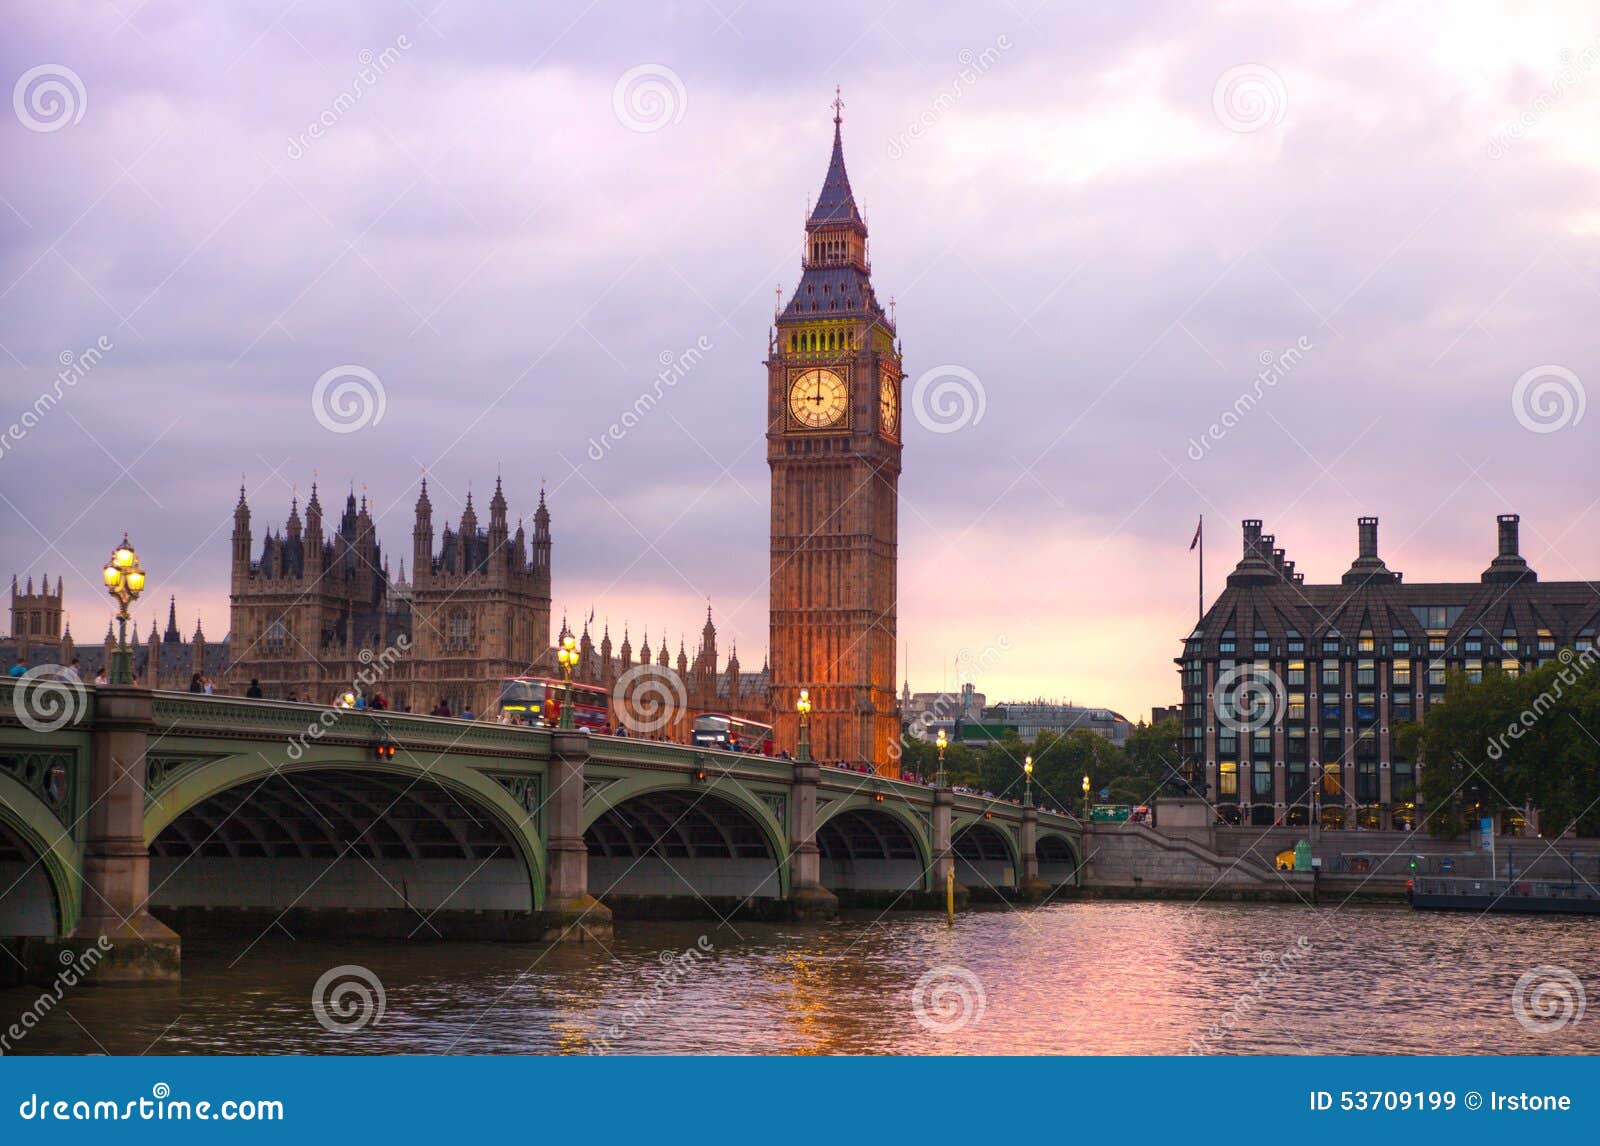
(1510, 741)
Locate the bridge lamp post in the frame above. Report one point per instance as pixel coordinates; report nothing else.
(1027, 782)
(124, 580)
(1086, 808)
(941, 744)
(803, 707)
(567, 654)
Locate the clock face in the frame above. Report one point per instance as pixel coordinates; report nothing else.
(818, 399)
(888, 405)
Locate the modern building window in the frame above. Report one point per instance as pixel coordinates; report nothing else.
(1332, 785)
(1475, 671)
(1297, 674)
(1364, 641)
(1297, 643)
(1473, 643)
(1400, 675)
(1226, 644)
(1366, 673)
(1262, 782)
(1228, 778)
(1436, 674)
(1547, 642)
(1297, 706)
(1261, 645)
(1330, 674)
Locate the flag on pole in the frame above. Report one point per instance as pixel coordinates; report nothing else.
(1196, 540)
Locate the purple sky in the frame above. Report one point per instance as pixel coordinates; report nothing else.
(1104, 221)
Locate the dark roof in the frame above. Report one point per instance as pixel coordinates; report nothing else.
(1264, 597)
(836, 204)
(834, 292)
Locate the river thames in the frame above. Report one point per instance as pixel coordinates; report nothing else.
(1071, 978)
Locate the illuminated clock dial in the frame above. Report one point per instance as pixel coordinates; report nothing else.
(818, 399)
(889, 404)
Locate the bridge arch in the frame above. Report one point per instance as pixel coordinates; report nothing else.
(985, 854)
(39, 867)
(407, 842)
(864, 845)
(663, 837)
(1058, 859)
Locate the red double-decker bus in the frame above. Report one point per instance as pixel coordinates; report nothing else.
(732, 733)
(538, 699)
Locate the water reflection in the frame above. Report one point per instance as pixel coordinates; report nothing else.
(1081, 978)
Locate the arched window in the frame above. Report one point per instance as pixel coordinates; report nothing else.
(277, 635)
(457, 629)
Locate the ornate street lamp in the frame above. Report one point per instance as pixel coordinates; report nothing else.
(125, 581)
(1027, 782)
(567, 654)
(803, 707)
(941, 743)
(1086, 806)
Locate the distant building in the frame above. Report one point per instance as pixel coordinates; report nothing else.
(41, 636)
(1166, 712)
(924, 713)
(1032, 717)
(1291, 691)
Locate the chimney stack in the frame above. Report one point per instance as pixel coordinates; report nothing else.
(1509, 566)
(1367, 537)
(1509, 546)
(1368, 567)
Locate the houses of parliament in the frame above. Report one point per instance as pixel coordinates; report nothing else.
(314, 605)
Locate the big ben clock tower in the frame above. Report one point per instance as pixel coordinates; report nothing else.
(833, 442)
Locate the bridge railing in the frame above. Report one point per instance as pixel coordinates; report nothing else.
(301, 723)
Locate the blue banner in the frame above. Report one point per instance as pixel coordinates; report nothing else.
(788, 1100)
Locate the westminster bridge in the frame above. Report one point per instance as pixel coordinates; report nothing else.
(140, 816)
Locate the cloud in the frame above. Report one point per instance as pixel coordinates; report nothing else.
(1072, 224)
